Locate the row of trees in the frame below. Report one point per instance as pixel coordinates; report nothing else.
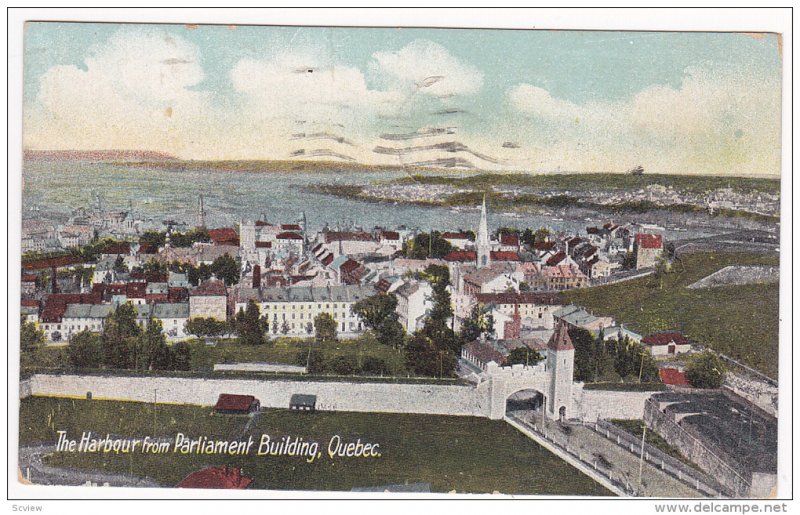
(527, 236)
(426, 245)
(319, 362)
(176, 239)
(124, 344)
(612, 360)
(224, 268)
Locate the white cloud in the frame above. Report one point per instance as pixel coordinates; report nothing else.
(302, 84)
(134, 90)
(538, 102)
(716, 121)
(430, 68)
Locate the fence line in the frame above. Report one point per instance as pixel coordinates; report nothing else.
(742, 484)
(658, 458)
(749, 370)
(619, 480)
(597, 281)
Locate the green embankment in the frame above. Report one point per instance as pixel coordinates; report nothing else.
(739, 321)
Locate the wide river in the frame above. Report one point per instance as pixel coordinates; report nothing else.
(53, 189)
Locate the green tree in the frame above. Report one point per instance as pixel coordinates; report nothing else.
(437, 323)
(249, 327)
(706, 370)
(153, 238)
(479, 322)
(662, 268)
(625, 362)
(226, 269)
(206, 327)
(379, 314)
(151, 347)
(629, 261)
(31, 338)
(425, 245)
(391, 333)
(120, 337)
(634, 361)
(542, 234)
(528, 237)
(85, 350)
(522, 356)
(154, 267)
(119, 265)
(375, 367)
(189, 238)
(437, 275)
(182, 356)
(426, 358)
(374, 310)
(32, 341)
(584, 343)
(324, 328)
(313, 359)
(344, 365)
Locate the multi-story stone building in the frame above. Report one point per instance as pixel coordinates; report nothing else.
(209, 300)
(291, 310)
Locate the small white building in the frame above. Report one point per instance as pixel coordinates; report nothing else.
(173, 317)
(84, 317)
(668, 343)
(414, 301)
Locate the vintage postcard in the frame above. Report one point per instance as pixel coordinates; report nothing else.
(405, 261)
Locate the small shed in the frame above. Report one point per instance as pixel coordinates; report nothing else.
(303, 402)
(236, 404)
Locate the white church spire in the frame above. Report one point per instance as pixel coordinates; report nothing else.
(482, 240)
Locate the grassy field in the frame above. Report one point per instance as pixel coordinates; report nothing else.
(739, 321)
(465, 454)
(287, 350)
(278, 350)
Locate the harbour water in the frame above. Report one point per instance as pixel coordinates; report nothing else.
(53, 189)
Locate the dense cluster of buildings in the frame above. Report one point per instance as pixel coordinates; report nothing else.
(656, 194)
(294, 274)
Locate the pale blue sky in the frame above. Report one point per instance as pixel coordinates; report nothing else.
(575, 68)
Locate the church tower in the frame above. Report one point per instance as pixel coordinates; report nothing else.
(201, 213)
(560, 361)
(482, 239)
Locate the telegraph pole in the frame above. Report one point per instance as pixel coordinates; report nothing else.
(641, 455)
(155, 403)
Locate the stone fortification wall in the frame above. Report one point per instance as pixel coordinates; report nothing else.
(737, 275)
(710, 460)
(338, 396)
(592, 405)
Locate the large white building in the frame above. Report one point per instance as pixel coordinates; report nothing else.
(291, 311)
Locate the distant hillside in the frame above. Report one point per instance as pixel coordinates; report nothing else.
(97, 155)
